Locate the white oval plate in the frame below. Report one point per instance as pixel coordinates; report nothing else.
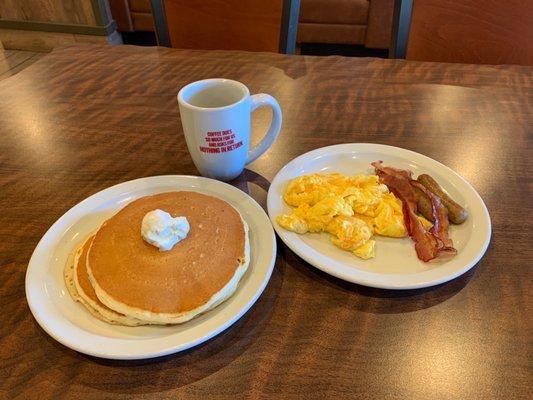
(71, 324)
(396, 265)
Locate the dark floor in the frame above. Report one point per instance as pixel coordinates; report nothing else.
(320, 49)
(139, 38)
(315, 49)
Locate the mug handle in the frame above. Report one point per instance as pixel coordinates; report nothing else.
(265, 100)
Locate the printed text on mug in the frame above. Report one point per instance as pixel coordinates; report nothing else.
(220, 142)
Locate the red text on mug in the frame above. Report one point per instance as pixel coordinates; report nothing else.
(220, 142)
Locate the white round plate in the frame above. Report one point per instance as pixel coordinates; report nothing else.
(71, 324)
(396, 265)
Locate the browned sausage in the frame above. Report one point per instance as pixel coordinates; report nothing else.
(456, 213)
(423, 204)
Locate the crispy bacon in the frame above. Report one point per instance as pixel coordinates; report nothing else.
(392, 171)
(440, 215)
(428, 245)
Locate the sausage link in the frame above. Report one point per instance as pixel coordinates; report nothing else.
(456, 213)
(423, 204)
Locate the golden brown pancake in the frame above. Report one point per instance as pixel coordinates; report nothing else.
(137, 279)
(69, 275)
(81, 273)
(85, 290)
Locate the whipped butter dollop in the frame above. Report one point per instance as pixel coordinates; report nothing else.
(163, 231)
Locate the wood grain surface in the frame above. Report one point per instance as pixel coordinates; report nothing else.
(68, 11)
(13, 61)
(472, 31)
(252, 25)
(86, 117)
(38, 41)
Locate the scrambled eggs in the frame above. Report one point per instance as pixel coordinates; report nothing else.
(351, 208)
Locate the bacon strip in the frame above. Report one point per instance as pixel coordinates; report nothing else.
(428, 245)
(392, 171)
(440, 215)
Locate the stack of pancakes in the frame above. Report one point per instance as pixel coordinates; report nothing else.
(124, 280)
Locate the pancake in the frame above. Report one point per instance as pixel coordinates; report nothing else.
(134, 278)
(86, 291)
(69, 276)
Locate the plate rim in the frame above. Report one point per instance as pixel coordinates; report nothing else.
(41, 248)
(361, 147)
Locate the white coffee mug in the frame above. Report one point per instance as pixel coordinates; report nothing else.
(216, 119)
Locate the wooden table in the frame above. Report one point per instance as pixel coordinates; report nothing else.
(87, 117)
(13, 61)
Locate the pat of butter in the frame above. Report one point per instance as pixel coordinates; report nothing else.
(162, 231)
